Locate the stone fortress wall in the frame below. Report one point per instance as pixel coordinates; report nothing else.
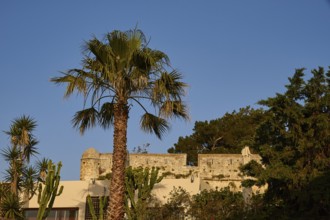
(213, 170)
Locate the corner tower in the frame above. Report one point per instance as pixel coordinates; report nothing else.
(90, 164)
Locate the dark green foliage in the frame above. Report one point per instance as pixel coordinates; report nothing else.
(249, 183)
(49, 189)
(174, 208)
(11, 206)
(228, 134)
(139, 183)
(294, 142)
(30, 176)
(253, 168)
(216, 204)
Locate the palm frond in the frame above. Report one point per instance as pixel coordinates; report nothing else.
(85, 119)
(11, 154)
(153, 124)
(93, 64)
(106, 115)
(138, 82)
(30, 149)
(174, 109)
(25, 122)
(42, 168)
(42, 165)
(73, 82)
(119, 43)
(21, 130)
(168, 86)
(136, 38)
(30, 176)
(159, 58)
(12, 172)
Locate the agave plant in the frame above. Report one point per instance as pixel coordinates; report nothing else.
(10, 207)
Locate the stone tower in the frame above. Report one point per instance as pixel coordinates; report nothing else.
(90, 164)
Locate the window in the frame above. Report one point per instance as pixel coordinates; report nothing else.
(54, 214)
(96, 206)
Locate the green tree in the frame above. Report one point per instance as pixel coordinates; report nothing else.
(216, 204)
(117, 72)
(228, 134)
(174, 208)
(294, 143)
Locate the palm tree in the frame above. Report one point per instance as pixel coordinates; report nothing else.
(22, 148)
(116, 72)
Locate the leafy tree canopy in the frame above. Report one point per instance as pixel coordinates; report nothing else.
(294, 143)
(228, 134)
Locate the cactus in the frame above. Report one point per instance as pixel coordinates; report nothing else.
(49, 189)
(102, 204)
(91, 207)
(139, 183)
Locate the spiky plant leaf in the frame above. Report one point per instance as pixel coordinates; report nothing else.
(11, 206)
(153, 124)
(11, 154)
(30, 176)
(174, 109)
(30, 149)
(21, 130)
(168, 87)
(106, 114)
(85, 119)
(73, 82)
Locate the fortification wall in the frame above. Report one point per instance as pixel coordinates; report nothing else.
(213, 170)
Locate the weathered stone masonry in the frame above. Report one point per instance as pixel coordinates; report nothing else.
(213, 170)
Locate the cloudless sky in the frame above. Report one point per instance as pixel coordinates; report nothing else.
(231, 53)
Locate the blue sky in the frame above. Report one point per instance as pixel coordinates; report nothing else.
(231, 53)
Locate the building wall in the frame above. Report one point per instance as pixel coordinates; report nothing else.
(214, 171)
(75, 192)
(221, 169)
(74, 195)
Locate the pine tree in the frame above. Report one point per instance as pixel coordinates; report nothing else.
(294, 143)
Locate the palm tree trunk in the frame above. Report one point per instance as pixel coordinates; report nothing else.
(117, 185)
